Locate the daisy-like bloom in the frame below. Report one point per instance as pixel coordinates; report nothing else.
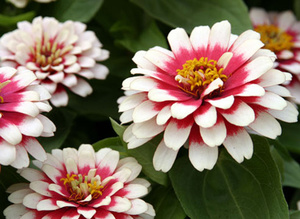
(23, 3)
(81, 184)
(209, 90)
(280, 32)
(21, 121)
(60, 54)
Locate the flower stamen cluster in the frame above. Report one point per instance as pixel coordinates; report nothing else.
(274, 38)
(197, 74)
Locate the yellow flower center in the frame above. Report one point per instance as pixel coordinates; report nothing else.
(274, 38)
(196, 75)
(48, 52)
(80, 187)
(3, 84)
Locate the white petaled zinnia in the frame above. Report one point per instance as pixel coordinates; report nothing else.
(209, 90)
(21, 104)
(23, 3)
(62, 55)
(81, 183)
(280, 32)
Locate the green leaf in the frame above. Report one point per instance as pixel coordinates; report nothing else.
(191, 13)
(165, 203)
(6, 21)
(119, 129)
(151, 36)
(290, 136)
(297, 8)
(76, 10)
(295, 215)
(114, 143)
(144, 155)
(8, 176)
(251, 189)
(63, 119)
(291, 174)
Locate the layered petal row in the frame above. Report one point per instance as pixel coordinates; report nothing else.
(62, 55)
(81, 183)
(209, 90)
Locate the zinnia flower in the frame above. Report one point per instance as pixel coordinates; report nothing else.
(207, 91)
(280, 32)
(81, 184)
(23, 3)
(60, 54)
(21, 103)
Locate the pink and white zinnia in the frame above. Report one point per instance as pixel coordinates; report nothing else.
(21, 103)
(81, 184)
(280, 32)
(209, 90)
(60, 54)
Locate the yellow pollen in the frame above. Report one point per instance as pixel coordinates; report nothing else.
(196, 75)
(80, 187)
(2, 85)
(274, 38)
(48, 53)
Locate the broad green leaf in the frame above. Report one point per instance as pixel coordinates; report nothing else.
(149, 37)
(191, 13)
(165, 203)
(8, 176)
(6, 21)
(63, 119)
(297, 8)
(76, 10)
(291, 173)
(251, 189)
(290, 136)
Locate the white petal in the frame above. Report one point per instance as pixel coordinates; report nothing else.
(164, 115)
(82, 88)
(143, 84)
(31, 127)
(47, 205)
(272, 77)
(241, 115)
(121, 204)
(100, 71)
(147, 129)
(144, 111)
(11, 134)
(138, 206)
(199, 37)
(135, 190)
(203, 157)
(131, 102)
(207, 118)
(239, 145)
(288, 114)
(18, 196)
(32, 200)
(159, 95)
(272, 101)
(176, 134)
(87, 213)
(266, 125)
(223, 103)
(181, 110)
(142, 62)
(215, 135)
(60, 99)
(164, 157)
(51, 172)
(110, 161)
(8, 153)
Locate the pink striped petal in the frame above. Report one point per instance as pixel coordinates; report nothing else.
(218, 39)
(108, 164)
(181, 110)
(180, 45)
(206, 116)
(164, 157)
(199, 39)
(240, 114)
